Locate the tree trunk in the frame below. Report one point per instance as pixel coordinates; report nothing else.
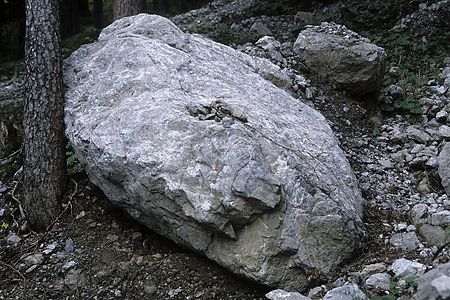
(98, 14)
(44, 165)
(125, 8)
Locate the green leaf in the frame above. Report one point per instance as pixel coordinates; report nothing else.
(403, 41)
(4, 225)
(416, 110)
(394, 287)
(410, 279)
(387, 107)
(447, 233)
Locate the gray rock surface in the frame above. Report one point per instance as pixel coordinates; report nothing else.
(433, 234)
(405, 268)
(373, 269)
(346, 292)
(260, 28)
(269, 196)
(342, 56)
(379, 282)
(444, 167)
(283, 295)
(407, 241)
(435, 284)
(417, 134)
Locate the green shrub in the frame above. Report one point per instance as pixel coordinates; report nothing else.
(270, 8)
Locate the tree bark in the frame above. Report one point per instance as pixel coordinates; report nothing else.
(44, 165)
(125, 8)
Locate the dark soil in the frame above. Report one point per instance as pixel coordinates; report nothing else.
(114, 258)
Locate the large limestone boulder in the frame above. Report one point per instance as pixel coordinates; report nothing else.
(196, 141)
(343, 57)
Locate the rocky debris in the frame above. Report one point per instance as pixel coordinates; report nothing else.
(283, 295)
(152, 146)
(342, 56)
(217, 111)
(318, 292)
(424, 17)
(345, 292)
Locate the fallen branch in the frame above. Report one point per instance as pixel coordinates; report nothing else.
(14, 269)
(8, 159)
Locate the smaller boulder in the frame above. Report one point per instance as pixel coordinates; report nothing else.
(416, 133)
(378, 282)
(283, 295)
(268, 43)
(345, 292)
(444, 167)
(260, 28)
(342, 56)
(303, 17)
(405, 268)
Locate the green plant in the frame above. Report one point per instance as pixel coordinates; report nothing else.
(270, 8)
(222, 33)
(411, 281)
(87, 36)
(395, 288)
(72, 159)
(11, 69)
(384, 297)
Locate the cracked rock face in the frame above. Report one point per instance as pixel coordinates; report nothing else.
(197, 141)
(342, 56)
